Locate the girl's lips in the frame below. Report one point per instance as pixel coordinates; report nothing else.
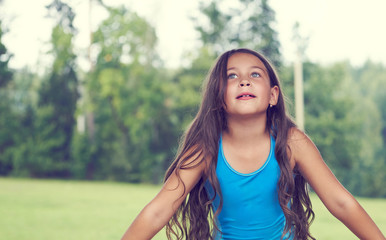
(245, 96)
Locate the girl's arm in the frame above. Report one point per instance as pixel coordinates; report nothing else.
(335, 197)
(158, 212)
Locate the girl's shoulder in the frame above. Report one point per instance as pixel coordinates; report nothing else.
(296, 136)
(300, 145)
(194, 157)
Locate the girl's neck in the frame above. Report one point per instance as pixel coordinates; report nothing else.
(246, 130)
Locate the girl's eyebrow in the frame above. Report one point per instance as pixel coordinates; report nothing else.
(232, 68)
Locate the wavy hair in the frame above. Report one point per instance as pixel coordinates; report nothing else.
(194, 219)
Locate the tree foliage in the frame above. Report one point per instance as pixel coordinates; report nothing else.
(46, 151)
(7, 115)
(127, 98)
(135, 109)
(345, 122)
(247, 23)
(370, 108)
(6, 73)
(328, 117)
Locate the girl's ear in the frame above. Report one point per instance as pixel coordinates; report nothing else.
(274, 95)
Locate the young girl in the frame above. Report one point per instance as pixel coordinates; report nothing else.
(242, 167)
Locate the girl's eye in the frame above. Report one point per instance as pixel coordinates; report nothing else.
(254, 75)
(232, 76)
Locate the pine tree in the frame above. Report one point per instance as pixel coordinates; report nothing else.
(248, 23)
(6, 114)
(57, 99)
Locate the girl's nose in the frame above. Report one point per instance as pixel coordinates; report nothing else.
(244, 83)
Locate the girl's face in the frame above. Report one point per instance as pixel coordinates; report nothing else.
(248, 89)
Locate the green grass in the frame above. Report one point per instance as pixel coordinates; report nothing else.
(49, 209)
(327, 227)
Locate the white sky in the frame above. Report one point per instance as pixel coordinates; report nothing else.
(338, 29)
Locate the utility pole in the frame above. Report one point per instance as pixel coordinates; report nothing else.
(89, 113)
(301, 45)
(299, 92)
(86, 119)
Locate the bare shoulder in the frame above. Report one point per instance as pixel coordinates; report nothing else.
(187, 170)
(300, 144)
(297, 142)
(297, 136)
(193, 158)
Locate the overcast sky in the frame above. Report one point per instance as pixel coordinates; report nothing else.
(351, 30)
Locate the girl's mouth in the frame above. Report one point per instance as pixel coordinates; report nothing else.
(245, 96)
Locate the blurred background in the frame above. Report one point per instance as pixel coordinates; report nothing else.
(103, 90)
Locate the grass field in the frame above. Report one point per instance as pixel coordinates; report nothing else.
(56, 210)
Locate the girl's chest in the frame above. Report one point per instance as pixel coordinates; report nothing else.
(246, 160)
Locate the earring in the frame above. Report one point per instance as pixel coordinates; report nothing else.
(270, 105)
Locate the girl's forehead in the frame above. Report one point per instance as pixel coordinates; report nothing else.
(238, 60)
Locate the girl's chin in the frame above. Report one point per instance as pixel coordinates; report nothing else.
(246, 114)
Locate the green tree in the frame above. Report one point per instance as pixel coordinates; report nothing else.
(23, 101)
(371, 110)
(58, 94)
(344, 118)
(127, 98)
(7, 116)
(5, 56)
(247, 23)
(329, 119)
(184, 91)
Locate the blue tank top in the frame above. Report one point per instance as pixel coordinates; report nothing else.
(251, 208)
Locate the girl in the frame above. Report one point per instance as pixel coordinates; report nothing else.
(245, 165)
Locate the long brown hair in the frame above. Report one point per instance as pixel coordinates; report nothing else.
(194, 218)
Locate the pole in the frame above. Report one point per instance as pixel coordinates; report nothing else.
(299, 95)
